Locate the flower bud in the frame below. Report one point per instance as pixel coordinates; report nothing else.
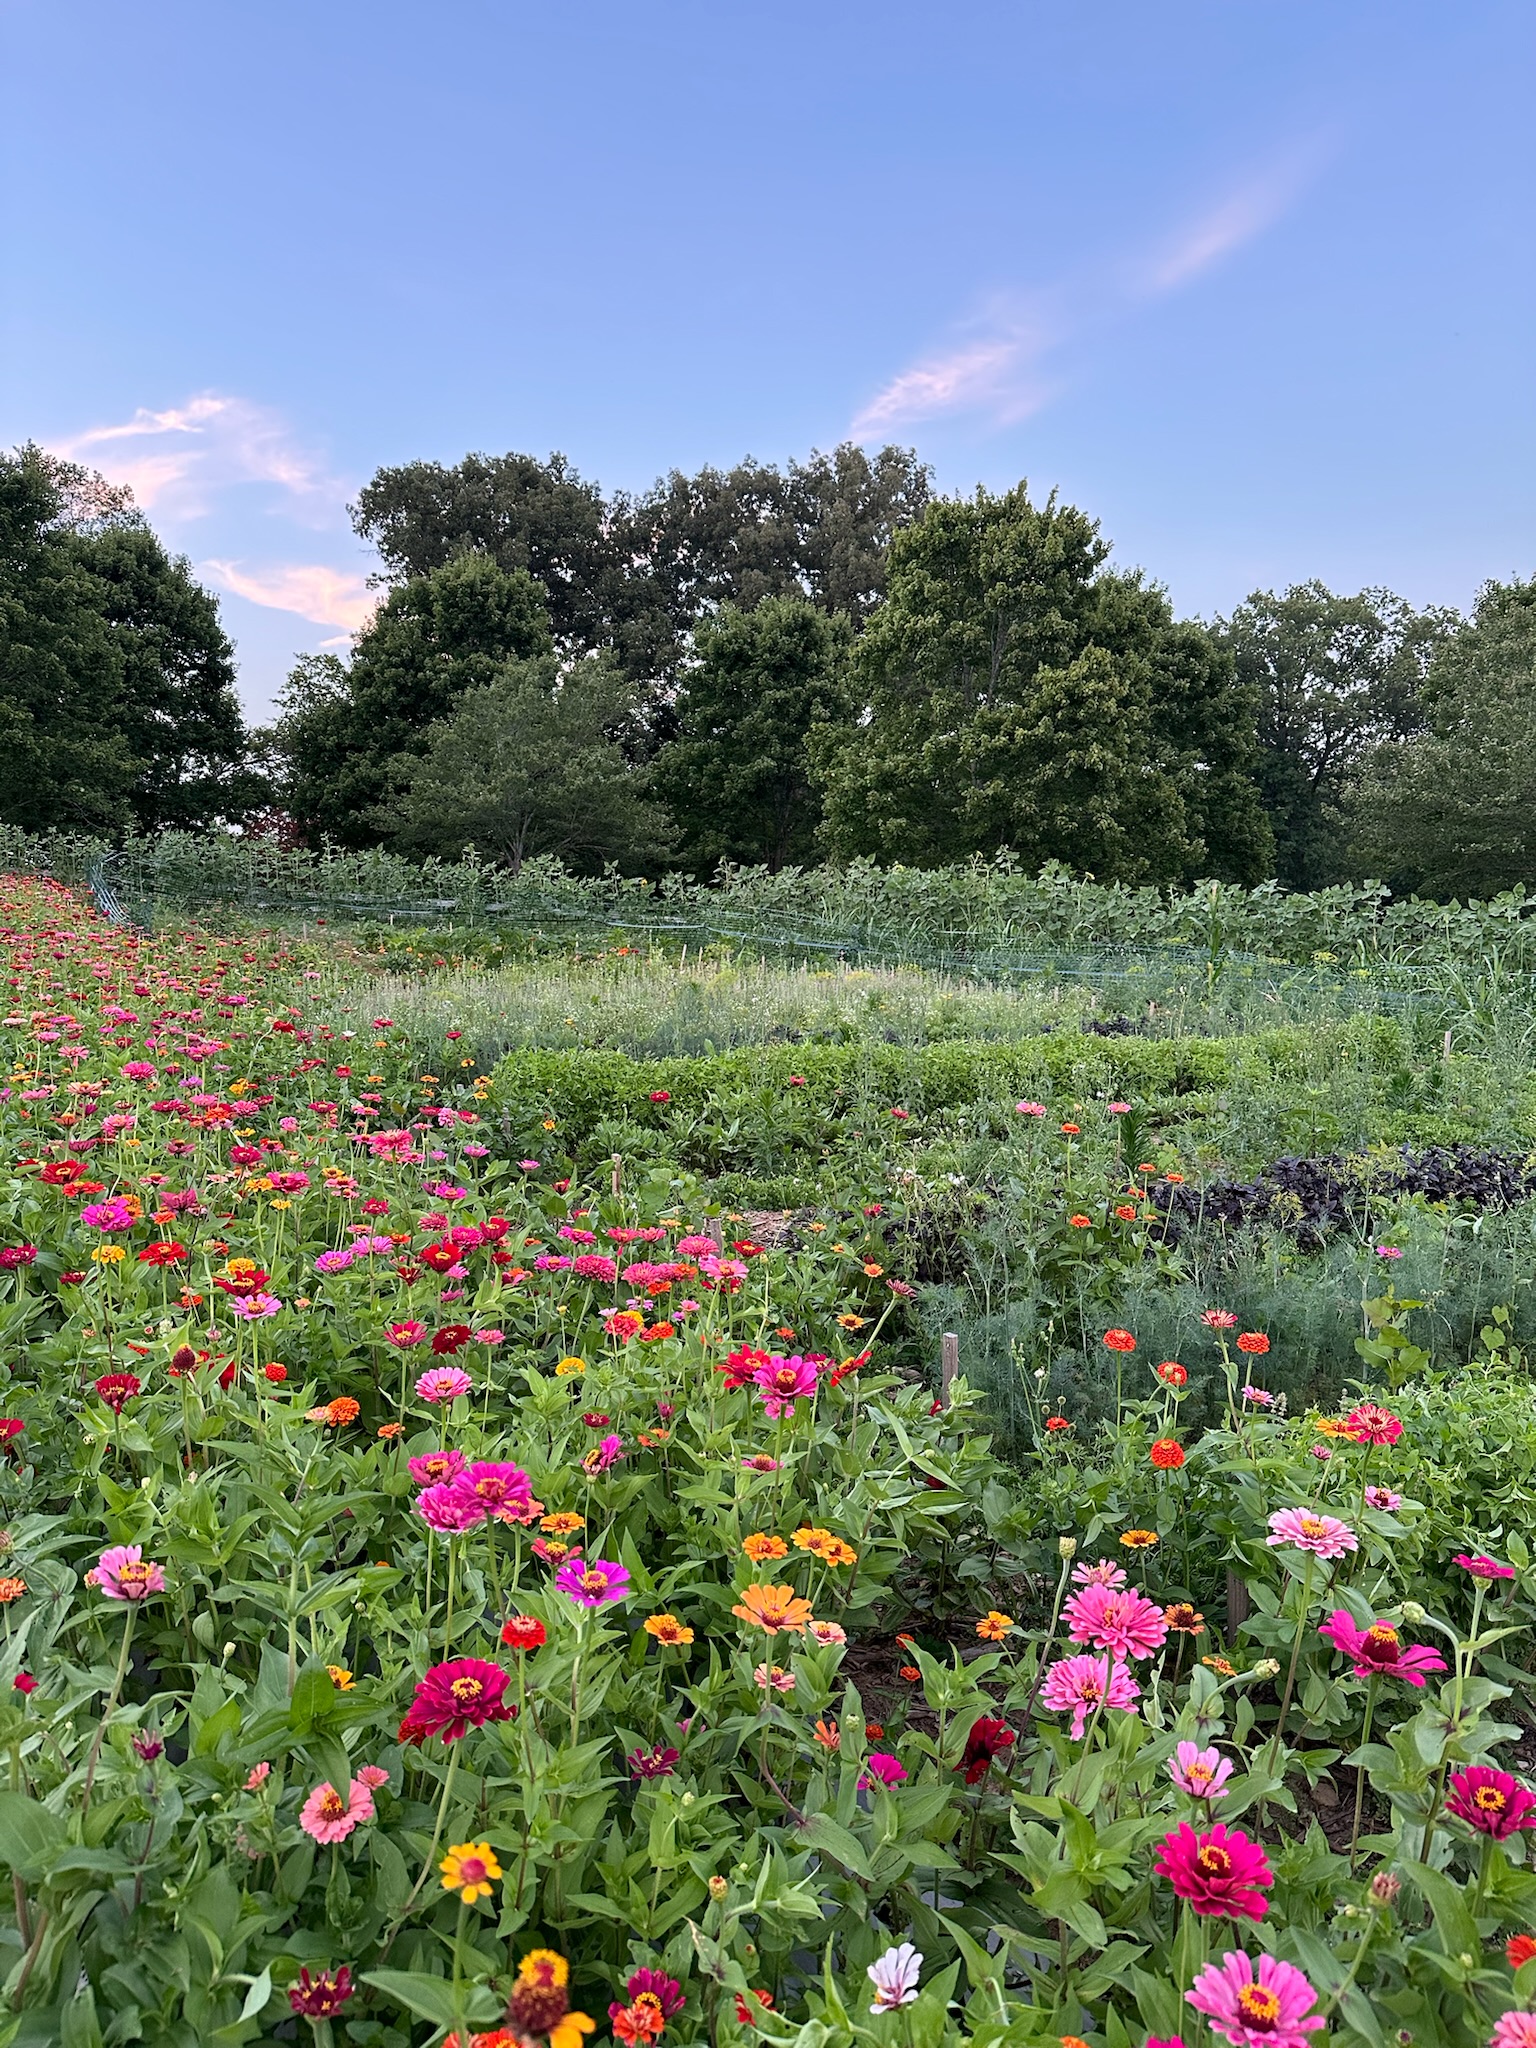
(1413, 1611)
(1066, 1546)
(1267, 1667)
(718, 1888)
(1384, 1888)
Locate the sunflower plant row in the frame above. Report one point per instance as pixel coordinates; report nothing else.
(442, 1601)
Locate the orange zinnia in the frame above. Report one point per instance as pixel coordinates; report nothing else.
(761, 1548)
(993, 1626)
(773, 1608)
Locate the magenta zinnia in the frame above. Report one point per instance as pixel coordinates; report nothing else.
(1491, 1801)
(1219, 1871)
(1378, 1651)
(592, 1584)
(455, 1697)
(1256, 2004)
(783, 1381)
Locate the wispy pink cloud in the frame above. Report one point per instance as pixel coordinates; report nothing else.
(178, 461)
(328, 597)
(1001, 366)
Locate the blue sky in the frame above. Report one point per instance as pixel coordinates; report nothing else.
(1252, 282)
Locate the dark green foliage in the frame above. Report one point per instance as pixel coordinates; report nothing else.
(1452, 812)
(117, 703)
(527, 764)
(1332, 677)
(1018, 695)
(345, 727)
(736, 779)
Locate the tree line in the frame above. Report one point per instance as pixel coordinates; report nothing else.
(770, 667)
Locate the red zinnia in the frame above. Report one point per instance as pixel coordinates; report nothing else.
(1166, 1454)
(1371, 1424)
(1119, 1340)
(1219, 1871)
(452, 1337)
(1519, 1949)
(1172, 1374)
(987, 1739)
(455, 1697)
(1253, 1342)
(523, 1632)
(117, 1389)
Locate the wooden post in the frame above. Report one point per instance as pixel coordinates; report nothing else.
(618, 1175)
(1238, 1608)
(716, 1229)
(949, 1364)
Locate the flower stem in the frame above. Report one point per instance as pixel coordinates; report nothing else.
(111, 1706)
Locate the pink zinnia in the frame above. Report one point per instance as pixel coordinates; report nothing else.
(450, 1508)
(783, 1381)
(1378, 1651)
(1202, 1773)
(373, 1776)
(329, 1818)
(404, 1335)
(1218, 1319)
(1322, 1535)
(1118, 1619)
(1105, 1573)
(1383, 1499)
(1077, 1685)
(444, 1383)
(1256, 2004)
(594, 1584)
(594, 1266)
(455, 1697)
(1370, 1424)
(1484, 1567)
(502, 1490)
(1491, 1801)
(1221, 1871)
(436, 1467)
(880, 1768)
(1514, 2029)
(122, 1574)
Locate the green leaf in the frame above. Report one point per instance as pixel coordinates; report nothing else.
(824, 1834)
(433, 1997)
(30, 1836)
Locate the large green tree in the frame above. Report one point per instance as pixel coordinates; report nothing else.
(1333, 677)
(640, 573)
(528, 763)
(737, 779)
(1015, 693)
(1451, 812)
(117, 701)
(346, 728)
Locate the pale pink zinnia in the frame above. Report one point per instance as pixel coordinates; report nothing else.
(1256, 2002)
(1078, 1685)
(329, 1817)
(1105, 1573)
(1116, 1618)
(122, 1574)
(443, 1383)
(1323, 1536)
(1202, 1773)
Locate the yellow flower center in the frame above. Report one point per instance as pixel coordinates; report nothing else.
(1259, 2006)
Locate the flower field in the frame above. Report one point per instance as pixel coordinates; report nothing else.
(462, 1582)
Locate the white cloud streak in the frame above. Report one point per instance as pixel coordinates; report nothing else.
(328, 597)
(181, 461)
(1001, 367)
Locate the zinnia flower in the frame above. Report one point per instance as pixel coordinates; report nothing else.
(450, 1508)
(1201, 1773)
(1256, 2003)
(1514, 2029)
(1491, 1801)
(1116, 1618)
(1080, 1684)
(1119, 1340)
(1383, 1499)
(502, 1490)
(894, 1976)
(594, 1583)
(455, 1697)
(1167, 1454)
(1484, 1567)
(1301, 1529)
(783, 1381)
(773, 1608)
(1254, 1342)
(443, 1383)
(1221, 1871)
(881, 1768)
(436, 1467)
(993, 1626)
(1218, 1319)
(117, 1389)
(1378, 1651)
(524, 1632)
(329, 1817)
(987, 1740)
(122, 1574)
(321, 1997)
(470, 1869)
(652, 1763)
(668, 1630)
(1370, 1424)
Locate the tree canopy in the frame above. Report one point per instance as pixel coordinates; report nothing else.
(117, 701)
(1015, 693)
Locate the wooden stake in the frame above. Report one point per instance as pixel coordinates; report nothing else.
(949, 1364)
